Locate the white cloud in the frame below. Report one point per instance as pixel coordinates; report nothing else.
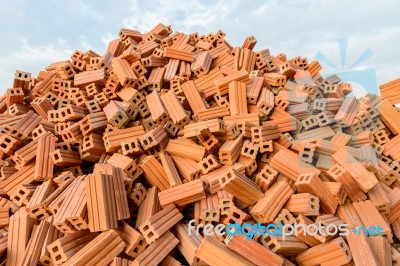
(32, 59)
(294, 27)
(83, 9)
(384, 46)
(107, 38)
(184, 16)
(85, 43)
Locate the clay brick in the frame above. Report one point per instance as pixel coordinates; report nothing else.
(309, 183)
(303, 203)
(160, 223)
(389, 91)
(240, 186)
(253, 89)
(266, 209)
(213, 112)
(115, 115)
(230, 151)
(370, 215)
(97, 77)
(101, 214)
(364, 179)
(210, 245)
(125, 74)
(193, 97)
(290, 246)
(135, 243)
(19, 233)
(333, 252)
(157, 251)
(237, 98)
(99, 251)
(175, 109)
(154, 173)
(183, 194)
(226, 134)
(21, 79)
(178, 54)
(253, 251)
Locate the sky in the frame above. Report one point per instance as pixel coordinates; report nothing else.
(36, 33)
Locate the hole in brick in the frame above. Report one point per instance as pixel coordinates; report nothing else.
(150, 234)
(236, 215)
(146, 228)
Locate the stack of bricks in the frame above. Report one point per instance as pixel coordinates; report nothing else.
(105, 159)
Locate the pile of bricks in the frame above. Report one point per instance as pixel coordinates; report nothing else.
(105, 159)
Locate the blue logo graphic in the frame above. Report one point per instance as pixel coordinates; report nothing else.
(250, 230)
(365, 78)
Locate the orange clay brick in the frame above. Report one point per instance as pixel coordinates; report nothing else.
(333, 252)
(310, 183)
(213, 252)
(237, 98)
(266, 209)
(123, 149)
(101, 214)
(154, 173)
(160, 223)
(178, 54)
(193, 97)
(389, 91)
(253, 251)
(175, 109)
(99, 251)
(157, 251)
(222, 83)
(303, 203)
(125, 74)
(236, 184)
(186, 149)
(97, 77)
(183, 194)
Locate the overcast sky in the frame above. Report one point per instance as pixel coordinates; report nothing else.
(36, 33)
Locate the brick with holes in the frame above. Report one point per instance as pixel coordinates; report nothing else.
(160, 223)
